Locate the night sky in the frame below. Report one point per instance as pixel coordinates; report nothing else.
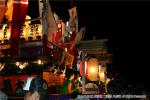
(125, 24)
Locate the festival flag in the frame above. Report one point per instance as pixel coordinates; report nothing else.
(18, 18)
(51, 24)
(73, 21)
(59, 33)
(49, 27)
(78, 37)
(73, 12)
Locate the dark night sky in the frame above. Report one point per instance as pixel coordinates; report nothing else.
(125, 24)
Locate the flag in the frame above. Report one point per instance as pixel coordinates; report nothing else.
(78, 37)
(49, 27)
(73, 12)
(51, 24)
(3, 8)
(59, 33)
(73, 21)
(18, 18)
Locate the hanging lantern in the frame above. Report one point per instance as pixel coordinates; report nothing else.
(23, 32)
(38, 31)
(1, 34)
(26, 28)
(30, 32)
(102, 74)
(5, 33)
(92, 67)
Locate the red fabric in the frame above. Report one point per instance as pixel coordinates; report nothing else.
(58, 36)
(53, 37)
(18, 18)
(59, 32)
(81, 66)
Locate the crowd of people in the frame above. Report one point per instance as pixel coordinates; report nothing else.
(36, 88)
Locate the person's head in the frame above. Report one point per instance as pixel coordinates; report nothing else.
(38, 89)
(69, 74)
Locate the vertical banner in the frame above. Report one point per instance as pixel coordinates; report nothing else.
(73, 21)
(51, 23)
(19, 14)
(59, 32)
(49, 26)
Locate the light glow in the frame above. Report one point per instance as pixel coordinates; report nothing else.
(102, 75)
(39, 62)
(92, 70)
(66, 49)
(17, 63)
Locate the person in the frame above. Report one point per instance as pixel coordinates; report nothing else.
(37, 89)
(67, 88)
(3, 96)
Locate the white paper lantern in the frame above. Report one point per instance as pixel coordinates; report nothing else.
(92, 67)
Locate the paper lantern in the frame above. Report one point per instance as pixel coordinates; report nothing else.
(30, 32)
(92, 69)
(6, 33)
(38, 31)
(25, 28)
(1, 35)
(102, 74)
(23, 32)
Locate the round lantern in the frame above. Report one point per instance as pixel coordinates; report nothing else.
(92, 69)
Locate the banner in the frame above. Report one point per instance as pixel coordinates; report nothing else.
(51, 23)
(19, 14)
(78, 37)
(73, 21)
(59, 33)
